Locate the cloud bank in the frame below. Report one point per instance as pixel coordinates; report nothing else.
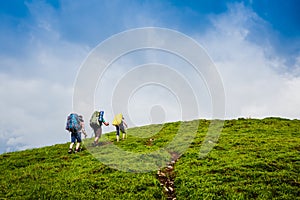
(42, 52)
(257, 78)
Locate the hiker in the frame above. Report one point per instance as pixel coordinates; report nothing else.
(96, 122)
(120, 125)
(74, 126)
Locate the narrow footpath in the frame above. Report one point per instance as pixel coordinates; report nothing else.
(166, 177)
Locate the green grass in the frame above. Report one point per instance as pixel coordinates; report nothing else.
(252, 159)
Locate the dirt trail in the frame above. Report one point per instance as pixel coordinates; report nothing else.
(166, 177)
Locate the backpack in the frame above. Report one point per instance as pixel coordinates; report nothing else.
(97, 119)
(73, 123)
(122, 127)
(101, 119)
(117, 119)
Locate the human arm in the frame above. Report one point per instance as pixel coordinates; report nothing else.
(84, 133)
(83, 129)
(105, 123)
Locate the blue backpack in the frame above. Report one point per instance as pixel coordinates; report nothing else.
(73, 123)
(101, 119)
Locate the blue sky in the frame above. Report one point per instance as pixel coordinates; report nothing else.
(255, 45)
(106, 18)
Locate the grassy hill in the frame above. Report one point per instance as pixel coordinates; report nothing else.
(252, 159)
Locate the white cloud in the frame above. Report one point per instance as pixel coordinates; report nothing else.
(36, 83)
(256, 79)
(33, 112)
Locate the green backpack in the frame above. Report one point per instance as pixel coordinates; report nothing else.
(94, 122)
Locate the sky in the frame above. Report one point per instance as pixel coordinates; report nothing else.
(254, 45)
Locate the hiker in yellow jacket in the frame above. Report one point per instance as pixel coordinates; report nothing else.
(120, 124)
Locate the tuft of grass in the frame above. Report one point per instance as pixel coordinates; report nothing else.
(252, 159)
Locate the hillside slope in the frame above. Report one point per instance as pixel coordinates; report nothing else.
(253, 158)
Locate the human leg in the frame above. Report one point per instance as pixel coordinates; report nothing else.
(73, 140)
(98, 133)
(122, 129)
(118, 133)
(78, 138)
(71, 148)
(71, 145)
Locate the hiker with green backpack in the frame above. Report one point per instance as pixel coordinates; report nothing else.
(96, 122)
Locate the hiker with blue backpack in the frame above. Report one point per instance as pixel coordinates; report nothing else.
(75, 126)
(96, 122)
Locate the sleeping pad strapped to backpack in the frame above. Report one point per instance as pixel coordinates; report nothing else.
(73, 123)
(117, 119)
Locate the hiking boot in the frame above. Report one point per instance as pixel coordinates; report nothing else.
(70, 151)
(95, 144)
(77, 150)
